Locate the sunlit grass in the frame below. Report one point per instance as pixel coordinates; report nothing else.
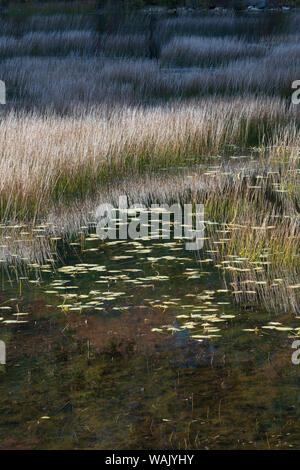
(64, 158)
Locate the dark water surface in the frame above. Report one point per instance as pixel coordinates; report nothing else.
(154, 356)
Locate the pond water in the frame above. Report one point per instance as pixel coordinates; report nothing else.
(138, 345)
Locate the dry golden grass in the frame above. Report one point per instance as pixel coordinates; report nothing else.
(47, 159)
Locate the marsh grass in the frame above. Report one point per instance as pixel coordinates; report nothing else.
(117, 45)
(51, 43)
(64, 83)
(89, 115)
(190, 51)
(53, 167)
(252, 27)
(251, 228)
